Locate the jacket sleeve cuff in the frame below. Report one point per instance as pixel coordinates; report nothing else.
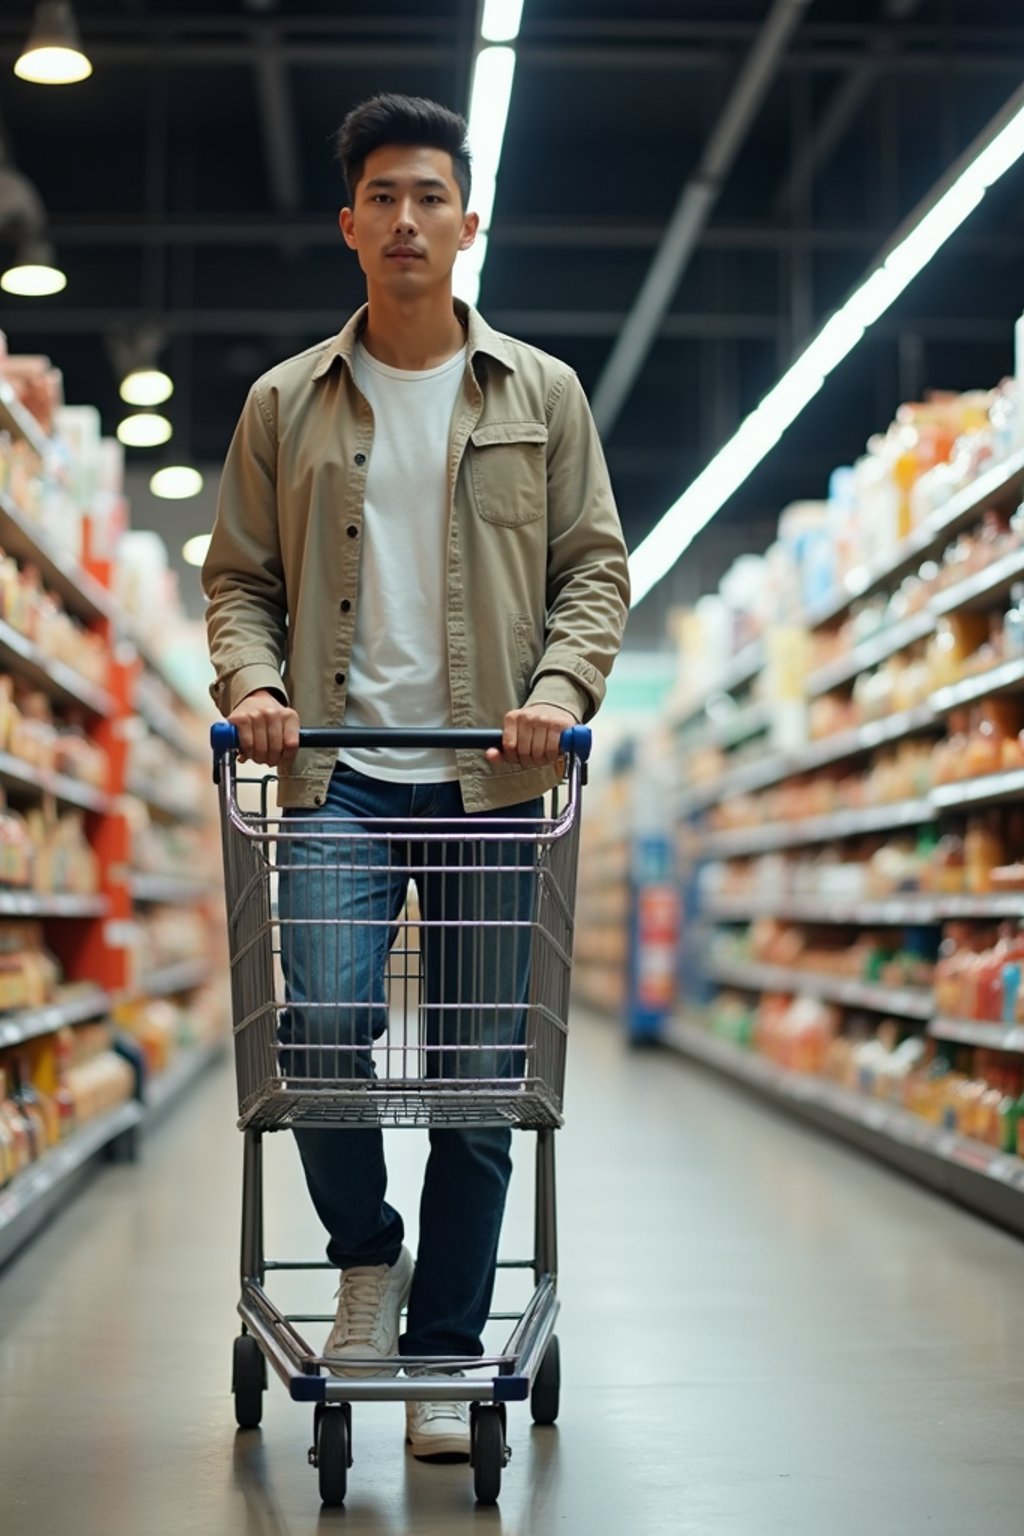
(228, 692)
(557, 689)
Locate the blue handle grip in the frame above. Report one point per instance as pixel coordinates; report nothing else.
(576, 741)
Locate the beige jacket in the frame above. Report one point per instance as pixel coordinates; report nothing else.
(537, 585)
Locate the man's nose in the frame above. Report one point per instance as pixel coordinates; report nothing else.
(405, 219)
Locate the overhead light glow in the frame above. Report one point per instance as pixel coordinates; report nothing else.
(53, 53)
(655, 555)
(146, 386)
(33, 280)
(194, 550)
(489, 100)
(501, 20)
(146, 429)
(176, 482)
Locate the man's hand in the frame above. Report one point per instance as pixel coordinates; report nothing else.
(532, 736)
(268, 731)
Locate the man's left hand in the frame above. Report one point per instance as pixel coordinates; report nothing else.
(532, 736)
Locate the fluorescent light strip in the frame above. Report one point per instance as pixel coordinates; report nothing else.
(655, 556)
(501, 20)
(489, 100)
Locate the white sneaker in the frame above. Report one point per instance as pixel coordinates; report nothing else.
(370, 1302)
(438, 1431)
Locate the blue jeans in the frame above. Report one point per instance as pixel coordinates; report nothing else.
(336, 934)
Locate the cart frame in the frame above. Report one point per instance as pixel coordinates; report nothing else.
(528, 1365)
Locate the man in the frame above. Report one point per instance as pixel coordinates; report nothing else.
(415, 528)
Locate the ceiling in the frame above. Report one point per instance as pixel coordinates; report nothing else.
(191, 180)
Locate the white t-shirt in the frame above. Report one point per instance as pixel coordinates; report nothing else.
(398, 674)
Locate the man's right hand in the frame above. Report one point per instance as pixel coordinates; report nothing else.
(268, 731)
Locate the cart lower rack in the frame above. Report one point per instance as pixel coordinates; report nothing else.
(398, 973)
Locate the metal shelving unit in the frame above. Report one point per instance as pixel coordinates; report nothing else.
(870, 653)
(992, 1037)
(172, 979)
(53, 677)
(36, 1194)
(78, 591)
(905, 1002)
(169, 890)
(30, 1023)
(774, 837)
(976, 1175)
(898, 911)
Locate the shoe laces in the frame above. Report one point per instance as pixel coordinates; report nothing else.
(361, 1294)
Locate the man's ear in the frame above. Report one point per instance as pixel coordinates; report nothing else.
(347, 225)
(470, 226)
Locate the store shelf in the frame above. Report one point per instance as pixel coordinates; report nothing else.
(743, 667)
(165, 804)
(977, 1175)
(22, 656)
(733, 728)
(80, 593)
(983, 588)
(905, 1002)
(774, 837)
(14, 418)
(30, 1023)
(1008, 678)
(993, 1037)
(912, 912)
(35, 1193)
(898, 911)
(996, 487)
(165, 724)
(154, 661)
(162, 1091)
(990, 790)
(169, 890)
(870, 653)
(752, 776)
(15, 774)
(186, 976)
(17, 903)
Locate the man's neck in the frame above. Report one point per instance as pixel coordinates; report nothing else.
(414, 335)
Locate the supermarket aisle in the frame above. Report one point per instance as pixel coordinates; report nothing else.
(762, 1334)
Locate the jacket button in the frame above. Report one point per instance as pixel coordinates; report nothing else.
(318, 799)
(345, 605)
(352, 531)
(360, 459)
(339, 677)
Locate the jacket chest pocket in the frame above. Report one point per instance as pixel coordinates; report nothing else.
(508, 468)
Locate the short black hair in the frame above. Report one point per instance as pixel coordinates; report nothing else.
(392, 119)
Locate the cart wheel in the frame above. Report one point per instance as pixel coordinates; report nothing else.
(248, 1381)
(544, 1396)
(489, 1454)
(333, 1453)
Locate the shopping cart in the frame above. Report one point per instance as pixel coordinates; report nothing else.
(490, 1051)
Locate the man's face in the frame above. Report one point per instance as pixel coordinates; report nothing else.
(407, 224)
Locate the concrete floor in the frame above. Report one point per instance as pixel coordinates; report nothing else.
(762, 1333)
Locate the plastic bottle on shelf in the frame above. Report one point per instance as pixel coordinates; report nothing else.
(1013, 624)
(26, 1102)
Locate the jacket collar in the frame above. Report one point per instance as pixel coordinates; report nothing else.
(480, 338)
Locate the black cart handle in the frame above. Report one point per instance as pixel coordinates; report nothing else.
(576, 741)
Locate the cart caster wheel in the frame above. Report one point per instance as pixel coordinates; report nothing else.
(544, 1396)
(248, 1381)
(333, 1452)
(490, 1453)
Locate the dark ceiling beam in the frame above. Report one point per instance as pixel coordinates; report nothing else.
(837, 117)
(344, 26)
(693, 209)
(604, 235)
(277, 122)
(179, 53)
(566, 323)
